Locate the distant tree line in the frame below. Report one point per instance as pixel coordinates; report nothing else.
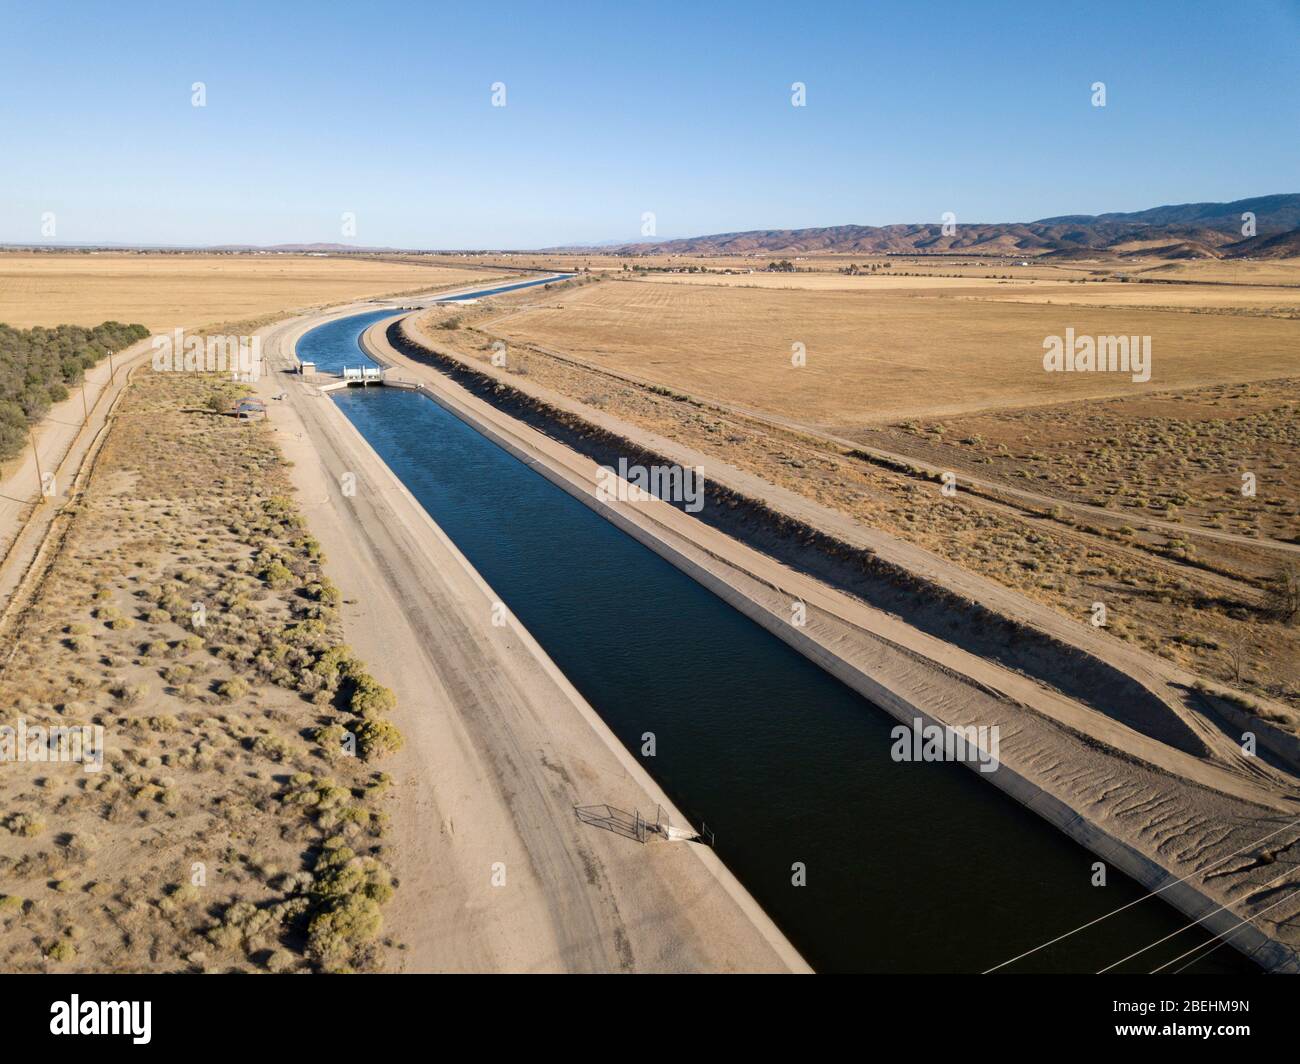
(39, 365)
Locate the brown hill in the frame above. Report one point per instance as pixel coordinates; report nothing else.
(1198, 230)
(1279, 246)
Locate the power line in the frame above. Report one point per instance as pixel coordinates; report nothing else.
(1202, 957)
(1107, 916)
(1172, 934)
(1221, 934)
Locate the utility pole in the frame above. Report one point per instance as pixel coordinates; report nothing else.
(85, 410)
(112, 373)
(40, 477)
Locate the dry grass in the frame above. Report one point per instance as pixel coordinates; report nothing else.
(1227, 271)
(189, 615)
(882, 356)
(1175, 456)
(166, 291)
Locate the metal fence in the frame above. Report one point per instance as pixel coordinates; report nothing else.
(635, 826)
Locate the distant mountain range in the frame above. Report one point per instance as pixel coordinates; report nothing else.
(1187, 230)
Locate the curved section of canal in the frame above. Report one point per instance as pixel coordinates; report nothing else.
(336, 344)
(909, 867)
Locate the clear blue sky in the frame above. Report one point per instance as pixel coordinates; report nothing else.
(613, 109)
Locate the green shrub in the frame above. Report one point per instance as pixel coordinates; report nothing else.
(232, 689)
(277, 575)
(347, 891)
(370, 698)
(63, 950)
(376, 738)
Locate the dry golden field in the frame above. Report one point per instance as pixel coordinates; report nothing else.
(1273, 301)
(1024, 287)
(885, 355)
(165, 291)
(1226, 271)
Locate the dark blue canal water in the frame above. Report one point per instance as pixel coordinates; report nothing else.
(910, 867)
(504, 288)
(336, 344)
